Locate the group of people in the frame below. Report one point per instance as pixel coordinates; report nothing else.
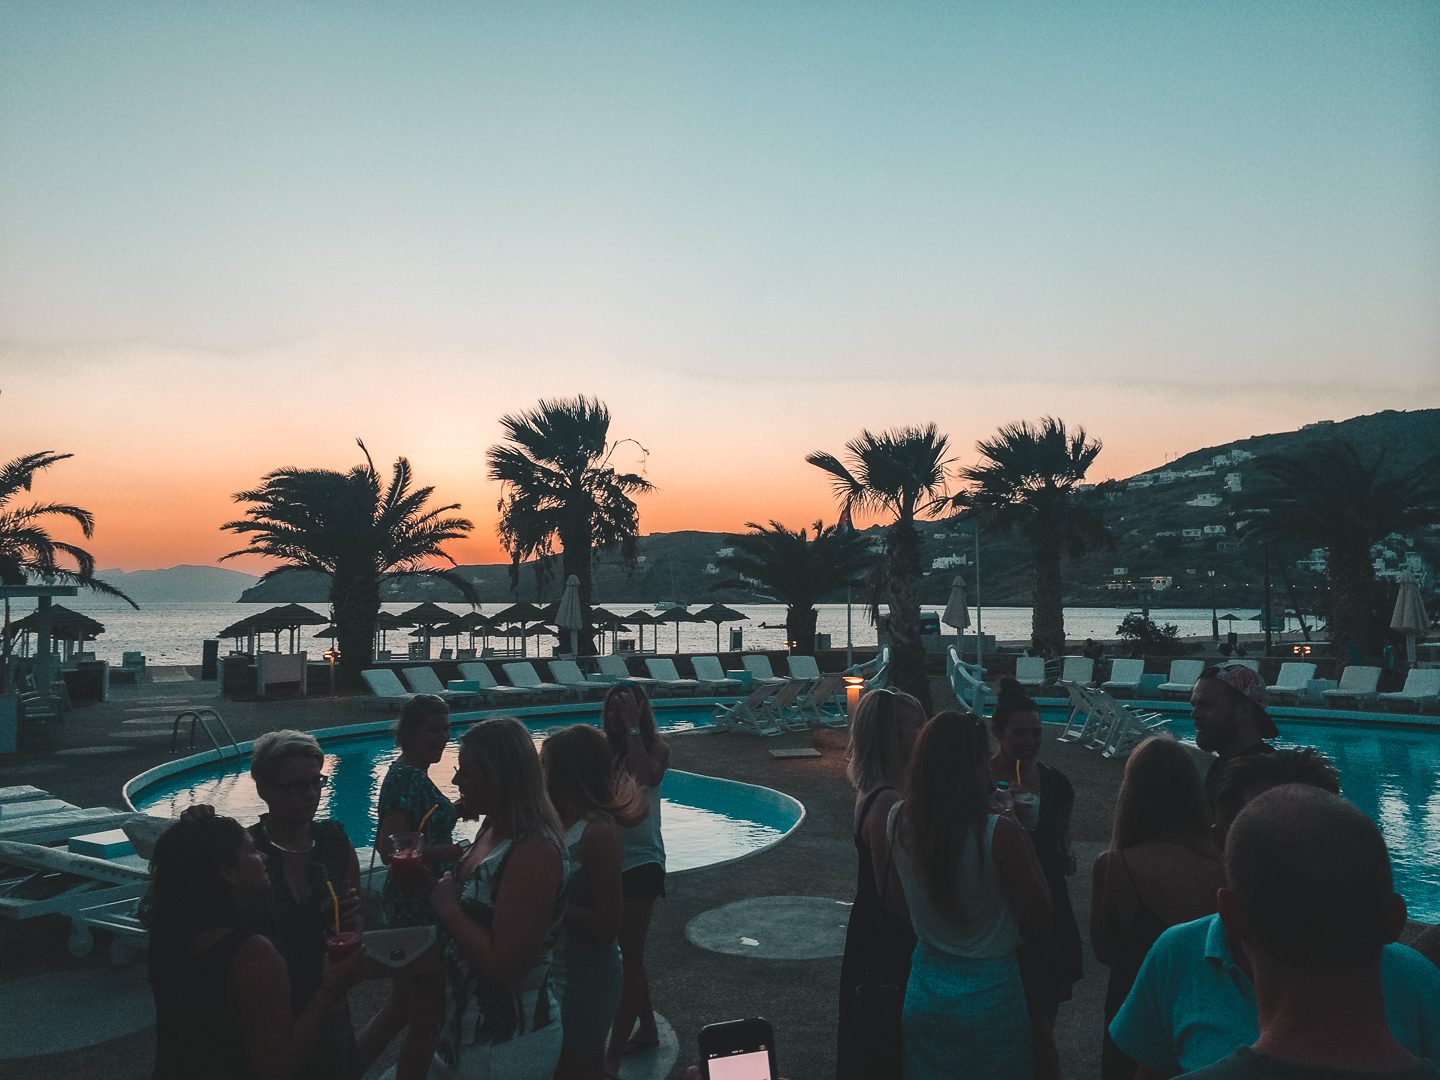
(518, 954)
(1247, 917)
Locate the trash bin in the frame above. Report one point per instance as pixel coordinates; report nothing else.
(210, 659)
(737, 639)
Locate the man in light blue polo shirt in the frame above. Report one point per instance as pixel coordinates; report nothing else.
(1193, 1002)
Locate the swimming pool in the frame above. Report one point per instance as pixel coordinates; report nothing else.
(1391, 773)
(706, 820)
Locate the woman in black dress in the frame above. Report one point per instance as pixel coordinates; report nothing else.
(878, 940)
(1050, 964)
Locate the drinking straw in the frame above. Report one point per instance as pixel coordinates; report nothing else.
(1017, 773)
(421, 828)
(335, 902)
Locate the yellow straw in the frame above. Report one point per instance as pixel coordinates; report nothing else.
(1017, 773)
(335, 901)
(421, 828)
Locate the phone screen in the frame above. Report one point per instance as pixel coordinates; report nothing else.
(741, 1065)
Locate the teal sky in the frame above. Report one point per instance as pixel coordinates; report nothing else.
(750, 226)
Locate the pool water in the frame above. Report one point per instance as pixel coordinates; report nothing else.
(1393, 775)
(706, 820)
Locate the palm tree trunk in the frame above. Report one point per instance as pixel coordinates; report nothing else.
(576, 544)
(355, 596)
(1047, 597)
(800, 627)
(1353, 614)
(907, 651)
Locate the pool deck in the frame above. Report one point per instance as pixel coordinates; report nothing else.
(99, 747)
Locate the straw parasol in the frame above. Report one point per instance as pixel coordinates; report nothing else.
(1409, 617)
(521, 614)
(427, 616)
(718, 613)
(677, 615)
(957, 609)
(61, 623)
(286, 617)
(640, 620)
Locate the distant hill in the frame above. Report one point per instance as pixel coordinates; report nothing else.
(1148, 515)
(179, 584)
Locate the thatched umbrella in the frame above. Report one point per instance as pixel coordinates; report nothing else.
(522, 615)
(286, 617)
(61, 623)
(677, 615)
(604, 620)
(718, 613)
(427, 616)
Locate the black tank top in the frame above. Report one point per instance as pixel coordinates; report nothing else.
(196, 1031)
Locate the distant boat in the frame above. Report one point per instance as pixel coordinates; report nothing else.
(667, 605)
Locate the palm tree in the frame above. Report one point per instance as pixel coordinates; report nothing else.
(796, 568)
(557, 484)
(355, 529)
(27, 550)
(1327, 495)
(1029, 481)
(900, 473)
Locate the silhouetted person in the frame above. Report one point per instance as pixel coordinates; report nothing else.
(1309, 897)
(1230, 718)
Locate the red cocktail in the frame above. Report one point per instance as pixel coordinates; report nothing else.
(406, 865)
(344, 944)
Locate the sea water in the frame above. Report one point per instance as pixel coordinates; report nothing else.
(171, 633)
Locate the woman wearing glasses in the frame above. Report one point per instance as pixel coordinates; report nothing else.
(301, 856)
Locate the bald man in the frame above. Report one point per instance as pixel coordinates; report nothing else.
(1309, 896)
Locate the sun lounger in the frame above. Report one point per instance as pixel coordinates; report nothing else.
(1357, 682)
(1124, 675)
(21, 793)
(1128, 728)
(753, 713)
(11, 811)
(423, 680)
(479, 673)
(712, 676)
(1421, 685)
(616, 668)
(522, 673)
(1077, 669)
(966, 680)
(1183, 676)
(761, 673)
(1085, 714)
(875, 671)
(667, 677)
(784, 706)
(385, 685)
(803, 667)
(59, 827)
(823, 704)
(36, 880)
(1030, 671)
(568, 674)
(1292, 680)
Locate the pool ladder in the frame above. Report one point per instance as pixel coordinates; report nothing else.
(202, 718)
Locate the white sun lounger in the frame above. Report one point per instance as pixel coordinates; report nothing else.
(966, 680)
(761, 673)
(875, 671)
(784, 706)
(753, 713)
(803, 667)
(522, 673)
(21, 793)
(1078, 669)
(1357, 682)
(712, 676)
(57, 828)
(423, 680)
(1183, 676)
(667, 676)
(1421, 685)
(828, 690)
(568, 674)
(11, 811)
(386, 685)
(1292, 680)
(1124, 675)
(479, 673)
(36, 880)
(616, 668)
(1030, 671)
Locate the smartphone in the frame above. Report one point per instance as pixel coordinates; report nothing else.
(738, 1050)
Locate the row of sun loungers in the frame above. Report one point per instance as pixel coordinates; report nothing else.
(1098, 721)
(793, 705)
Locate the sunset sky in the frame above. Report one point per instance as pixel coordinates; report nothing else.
(235, 237)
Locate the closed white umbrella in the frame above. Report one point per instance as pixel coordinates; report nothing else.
(568, 615)
(957, 611)
(1409, 617)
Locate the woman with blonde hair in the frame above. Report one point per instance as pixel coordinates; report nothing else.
(500, 1008)
(878, 938)
(1161, 870)
(594, 804)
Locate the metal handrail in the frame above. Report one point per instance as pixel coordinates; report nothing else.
(202, 718)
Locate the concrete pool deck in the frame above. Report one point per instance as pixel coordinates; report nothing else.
(812, 873)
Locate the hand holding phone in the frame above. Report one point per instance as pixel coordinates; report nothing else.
(738, 1050)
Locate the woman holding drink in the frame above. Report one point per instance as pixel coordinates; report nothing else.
(1050, 964)
(414, 810)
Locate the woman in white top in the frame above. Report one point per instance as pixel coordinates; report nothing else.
(641, 754)
(973, 888)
